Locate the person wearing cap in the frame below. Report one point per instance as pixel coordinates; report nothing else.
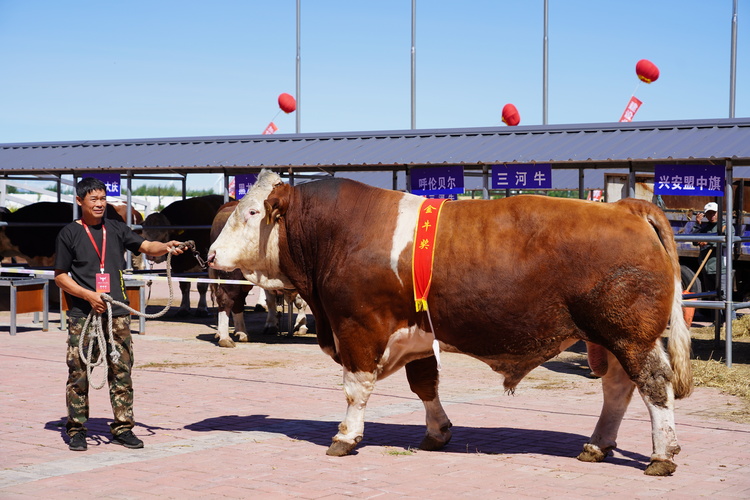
(707, 222)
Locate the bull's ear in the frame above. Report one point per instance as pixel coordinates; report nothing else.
(277, 203)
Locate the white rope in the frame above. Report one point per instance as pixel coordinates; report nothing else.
(94, 323)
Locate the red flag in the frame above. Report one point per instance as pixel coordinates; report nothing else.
(424, 249)
(270, 129)
(630, 109)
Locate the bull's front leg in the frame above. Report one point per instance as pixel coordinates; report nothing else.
(202, 310)
(184, 309)
(357, 386)
(222, 330)
(422, 375)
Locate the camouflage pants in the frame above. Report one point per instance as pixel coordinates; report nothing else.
(118, 377)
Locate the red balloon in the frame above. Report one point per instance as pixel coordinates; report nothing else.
(510, 115)
(287, 103)
(647, 71)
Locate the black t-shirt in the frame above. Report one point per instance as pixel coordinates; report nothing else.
(76, 255)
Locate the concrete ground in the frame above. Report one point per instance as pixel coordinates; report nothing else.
(255, 422)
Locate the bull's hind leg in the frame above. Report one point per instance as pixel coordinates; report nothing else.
(357, 386)
(423, 380)
(618, 390)
(655, 385)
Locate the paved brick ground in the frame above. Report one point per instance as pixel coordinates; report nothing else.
(255, 421)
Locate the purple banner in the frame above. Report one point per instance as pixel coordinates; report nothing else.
(438, 182)
(112, 181)
(522, 176)
(689, 180)
(242, 184)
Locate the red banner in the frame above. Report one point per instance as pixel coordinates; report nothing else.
(424, 249)
(630, 109)
(270, 129)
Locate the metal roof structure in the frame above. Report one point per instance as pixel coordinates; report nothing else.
(588, 146)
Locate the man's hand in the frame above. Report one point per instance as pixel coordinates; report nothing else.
(97, 304)
(176, 247)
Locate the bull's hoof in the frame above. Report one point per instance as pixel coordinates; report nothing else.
(271, 330)
(434, 443)
(241, 337)
(302, 330)
(592, 453)
(660, 468)
(340, 449)
(226, 343)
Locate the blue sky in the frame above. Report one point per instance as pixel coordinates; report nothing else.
(86, 70)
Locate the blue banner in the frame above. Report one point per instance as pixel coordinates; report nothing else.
(522, 176)
(689, 180)
(112, 181)
(438, 182)
(242, 184)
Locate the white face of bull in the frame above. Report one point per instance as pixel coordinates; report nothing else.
(249, 244)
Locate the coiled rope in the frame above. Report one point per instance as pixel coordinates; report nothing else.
(93, 325)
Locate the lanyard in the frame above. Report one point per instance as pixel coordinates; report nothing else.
(103, 253)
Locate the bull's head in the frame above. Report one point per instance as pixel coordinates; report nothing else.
(250, 239)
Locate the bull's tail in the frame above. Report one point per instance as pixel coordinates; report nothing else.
(678, 346)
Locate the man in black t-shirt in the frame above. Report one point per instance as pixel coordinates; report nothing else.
(89, 261)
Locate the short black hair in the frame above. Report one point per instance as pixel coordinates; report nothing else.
(88, 184)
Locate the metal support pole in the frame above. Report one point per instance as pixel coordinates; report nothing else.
(413, 64)
(733, 61)
(485, 183)
(581, 187)
(631, 182)
(729, 309)
(545, 63)
(129, 218)
(299, 73)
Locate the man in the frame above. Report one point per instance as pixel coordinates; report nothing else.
(92, 250)
(709, 225)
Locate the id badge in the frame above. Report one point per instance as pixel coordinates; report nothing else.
(102, 282)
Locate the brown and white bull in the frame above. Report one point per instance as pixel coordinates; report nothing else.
(230, 297)
(515, 282)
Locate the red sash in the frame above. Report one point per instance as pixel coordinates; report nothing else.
(424, 249)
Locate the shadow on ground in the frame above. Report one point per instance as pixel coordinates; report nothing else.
(485, 440)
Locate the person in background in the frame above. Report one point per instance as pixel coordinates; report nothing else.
(89, 261)
(707, 222)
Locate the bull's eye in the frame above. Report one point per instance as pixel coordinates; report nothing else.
(251, 213)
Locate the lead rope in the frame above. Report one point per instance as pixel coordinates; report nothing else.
(94, 322)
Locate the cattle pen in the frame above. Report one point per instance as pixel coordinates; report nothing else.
(578, 156)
